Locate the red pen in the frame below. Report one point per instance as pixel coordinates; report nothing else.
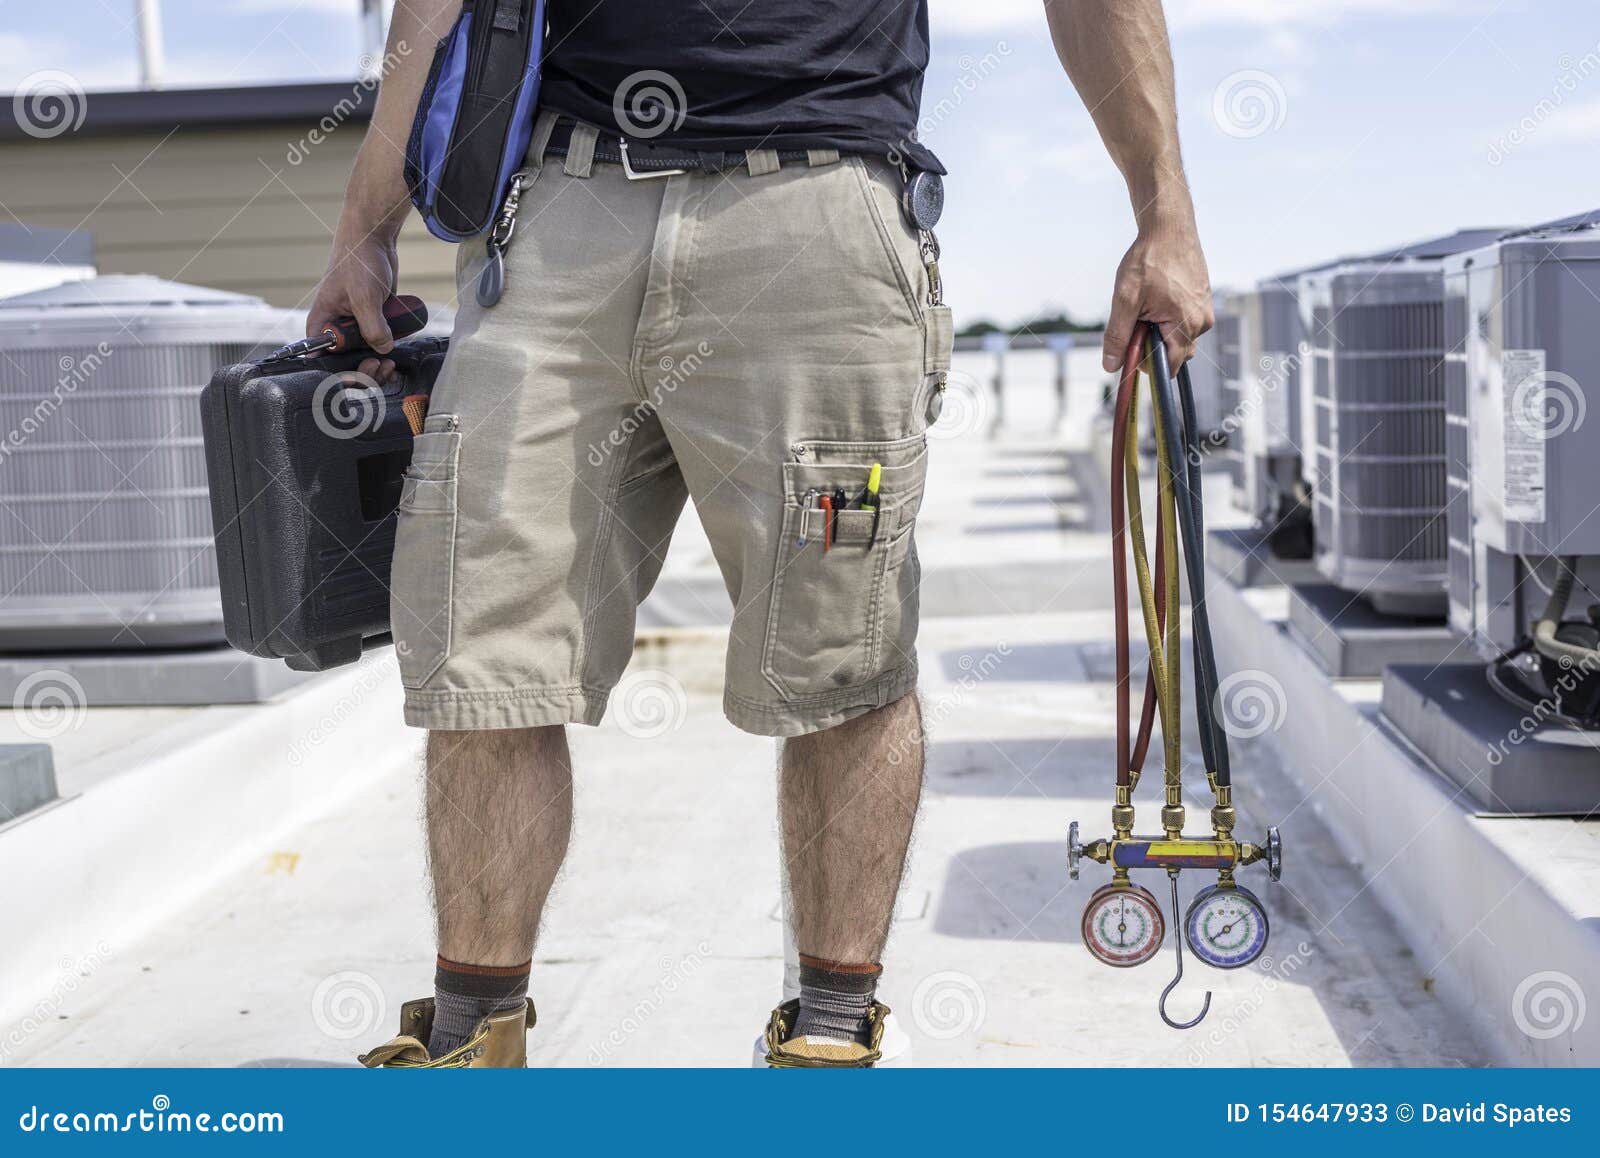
(826, 503)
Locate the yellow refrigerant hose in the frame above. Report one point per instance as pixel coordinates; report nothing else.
(1163, 639)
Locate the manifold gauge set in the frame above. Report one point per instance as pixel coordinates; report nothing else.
(1124, 924)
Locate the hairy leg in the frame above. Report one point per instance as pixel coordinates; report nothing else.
(499, 814)
(849, 801)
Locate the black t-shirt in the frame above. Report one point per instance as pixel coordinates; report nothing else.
(744, 74)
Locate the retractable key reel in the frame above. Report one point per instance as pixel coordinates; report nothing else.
(1123, 924)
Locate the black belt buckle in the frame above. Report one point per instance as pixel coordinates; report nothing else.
(922, 199)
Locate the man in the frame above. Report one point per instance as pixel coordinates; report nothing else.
(761, 331)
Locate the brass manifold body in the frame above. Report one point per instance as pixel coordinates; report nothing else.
(1124, 851)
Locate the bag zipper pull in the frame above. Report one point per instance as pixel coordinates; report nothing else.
(492, 282)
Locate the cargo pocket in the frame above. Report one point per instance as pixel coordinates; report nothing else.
(844, 614)
(421, 580)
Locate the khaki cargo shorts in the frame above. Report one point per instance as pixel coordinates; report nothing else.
(747, 340)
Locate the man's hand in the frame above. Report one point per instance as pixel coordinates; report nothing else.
(1116, 53)
(364, 268)
(1162, 280)
(360, 278)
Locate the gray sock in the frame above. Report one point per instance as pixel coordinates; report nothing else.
(835, 999)
(464, 995)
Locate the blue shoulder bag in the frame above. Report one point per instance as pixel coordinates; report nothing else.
(476, 116)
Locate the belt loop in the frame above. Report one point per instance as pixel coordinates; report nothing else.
(580, 150)
(816, 158)
(543, 129)
(761, 161)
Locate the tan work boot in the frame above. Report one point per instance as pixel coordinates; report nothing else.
(499, 1042)
(787, 1052)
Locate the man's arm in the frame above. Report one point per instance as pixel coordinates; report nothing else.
(363, 268)
(1117, 55)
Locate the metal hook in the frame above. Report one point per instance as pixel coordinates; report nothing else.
(1177, 940)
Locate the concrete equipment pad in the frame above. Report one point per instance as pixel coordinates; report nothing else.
(1349, 639)
(1505, 761)
(1241, 556)
(183, 676)
(27, 779)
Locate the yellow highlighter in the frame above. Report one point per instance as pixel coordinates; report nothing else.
(870, 501)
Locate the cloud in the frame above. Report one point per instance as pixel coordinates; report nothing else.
(1572, 125)
(348, 8)
(1294, 13)
(966, 18)
(23, 55)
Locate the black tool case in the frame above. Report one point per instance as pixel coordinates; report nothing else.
(306, 461)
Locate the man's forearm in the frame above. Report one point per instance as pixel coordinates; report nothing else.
(1119, 59)
(1117, 54)
(376, 197)
(363, 267)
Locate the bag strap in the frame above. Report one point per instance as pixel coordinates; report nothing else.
(508, 15)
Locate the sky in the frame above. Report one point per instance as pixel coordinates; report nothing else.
(1311, 128)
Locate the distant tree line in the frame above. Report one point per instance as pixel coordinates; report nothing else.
(1058, 323)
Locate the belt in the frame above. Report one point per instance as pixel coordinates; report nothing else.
(643, 159)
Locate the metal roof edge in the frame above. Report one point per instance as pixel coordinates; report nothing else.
(102, 114)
